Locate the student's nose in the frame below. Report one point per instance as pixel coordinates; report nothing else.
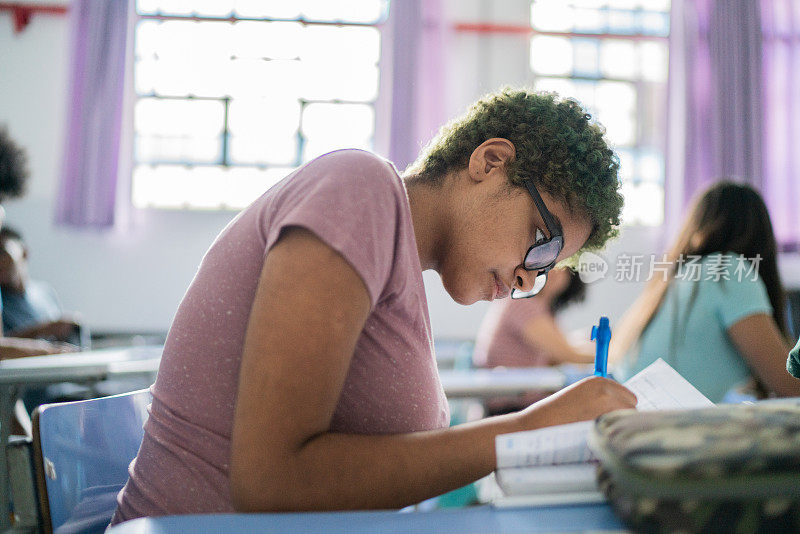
(523, 280)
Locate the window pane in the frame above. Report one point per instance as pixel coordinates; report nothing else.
(286, 85)
(213, 8)
(655, 23)
(618, 59)
(166, 7)
(178, 130)
(263, 116)
(272, 40)
(655, 5)
(620, 81)
(591, 21)
(331, 126)
(148, 34)
(644, 204)
(178, 149)
(586, 57)
(551, 15)
(365, 11)
(622, 22)
(264, 131)
(341, 45)
(616, 97)
(551, 55)
(651, 166)
(627, 165)
(264, 150)
(561, 86)
(153, 116)
(622, 4)
(181, 78)
(244, 185)
(327, 81)
(653, 59)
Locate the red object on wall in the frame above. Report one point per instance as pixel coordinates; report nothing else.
(22, 12)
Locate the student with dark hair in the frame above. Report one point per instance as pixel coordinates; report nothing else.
(13, 177)
(13, 167)
(525, 333)
(718, 317)
(298, 373)
(31, 308)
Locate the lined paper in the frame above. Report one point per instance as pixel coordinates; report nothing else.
(660, 387)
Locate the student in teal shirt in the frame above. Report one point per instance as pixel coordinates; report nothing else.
(717, 314)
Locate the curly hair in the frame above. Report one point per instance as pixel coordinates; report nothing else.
(558, 147)
(13, 167)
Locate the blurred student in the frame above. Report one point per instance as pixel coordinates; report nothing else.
(31, 308)
(524, 333)
(718, 315)
(13, 176)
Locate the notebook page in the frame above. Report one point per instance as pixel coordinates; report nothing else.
(546, 446)
(660, 387)
(657, 387)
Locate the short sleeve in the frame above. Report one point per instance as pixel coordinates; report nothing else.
(739, 297)
(351, 201)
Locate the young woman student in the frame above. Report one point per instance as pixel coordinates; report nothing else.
(298, 373)
(718, 317)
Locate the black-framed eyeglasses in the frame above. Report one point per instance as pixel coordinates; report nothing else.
(542, 255)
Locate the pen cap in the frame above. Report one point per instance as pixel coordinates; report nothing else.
(601, 331)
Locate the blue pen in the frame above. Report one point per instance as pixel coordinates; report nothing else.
(601, 335)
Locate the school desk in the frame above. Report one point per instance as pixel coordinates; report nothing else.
(84, 367)
(477, 519)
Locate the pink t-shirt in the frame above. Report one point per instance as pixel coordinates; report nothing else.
(356, 203)
(501, 342)
(501, 339)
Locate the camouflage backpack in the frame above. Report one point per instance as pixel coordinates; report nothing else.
(732, 469)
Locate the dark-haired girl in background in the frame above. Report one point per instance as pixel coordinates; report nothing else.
(718, 318)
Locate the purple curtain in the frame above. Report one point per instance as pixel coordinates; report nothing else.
(780, 21)
(734, 82)
(714, 115)
(97, 73)
(419, 41)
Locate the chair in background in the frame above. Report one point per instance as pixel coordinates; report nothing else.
(82, 450)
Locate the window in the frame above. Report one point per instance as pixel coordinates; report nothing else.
(611, 56)
(234, 94)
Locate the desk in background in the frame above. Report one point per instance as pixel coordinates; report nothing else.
(484, 383)
(85, 367)
(594, 517)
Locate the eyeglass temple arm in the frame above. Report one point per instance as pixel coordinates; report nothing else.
(549, 221)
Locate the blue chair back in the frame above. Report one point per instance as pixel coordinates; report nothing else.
(82, 451)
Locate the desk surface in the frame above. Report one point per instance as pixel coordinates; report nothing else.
(86, 365)
(501, 381)
(594, 517)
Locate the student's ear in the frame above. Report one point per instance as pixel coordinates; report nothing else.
(491, 157)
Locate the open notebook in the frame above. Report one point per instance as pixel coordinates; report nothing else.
(555, 465)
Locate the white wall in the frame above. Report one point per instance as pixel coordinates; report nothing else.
(131, 279)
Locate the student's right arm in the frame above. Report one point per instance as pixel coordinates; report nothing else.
(308, 312)
(763, 347)
(543, 332)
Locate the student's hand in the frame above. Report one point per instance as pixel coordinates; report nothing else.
(582, 401)
(60, 330)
